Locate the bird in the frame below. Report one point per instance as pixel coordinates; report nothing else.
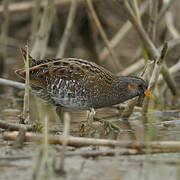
(79, 84)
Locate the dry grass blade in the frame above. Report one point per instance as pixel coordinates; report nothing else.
(118, 66)
(68, 29)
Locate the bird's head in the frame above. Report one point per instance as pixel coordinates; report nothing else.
(138, 87)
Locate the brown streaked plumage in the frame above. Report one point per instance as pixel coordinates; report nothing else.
(80, 84)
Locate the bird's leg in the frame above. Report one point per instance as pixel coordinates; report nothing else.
(90, 116)
(87, 129)
(60, 113)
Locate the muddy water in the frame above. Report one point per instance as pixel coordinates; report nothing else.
(19, 163)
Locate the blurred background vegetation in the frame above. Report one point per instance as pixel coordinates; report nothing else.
(21, 24)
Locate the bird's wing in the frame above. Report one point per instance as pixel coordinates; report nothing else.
(67, 69)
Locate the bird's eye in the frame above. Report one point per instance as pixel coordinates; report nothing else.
(140, 86)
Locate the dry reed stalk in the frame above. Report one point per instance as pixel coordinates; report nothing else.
(14, 126)
(169, 80)
(26, 93)
(19, 7)
(35, 20)
(10, 83)
(40, 44)
(111, 152)
(135, 67)
(157, 18)
(148, 70)
(117, 64)
(130, 107)
(150, 10)
(108, 152)
(135, 8)
(173, 69)
(170, 25)
(42, 169)
(5, 25)
(154, 78)
(68, 29)
(80, 141)
(19, 142)
(139, 28)
(65, 143)
(153, 51)
(140, 64)
(4, 34)
(153, 14)
(133, 102)
(164, 9)
(45, 135)
(121, 33)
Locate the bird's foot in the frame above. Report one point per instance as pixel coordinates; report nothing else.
(88, 129)
(90, 116)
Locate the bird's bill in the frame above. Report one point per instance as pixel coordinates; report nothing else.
(148, 93)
